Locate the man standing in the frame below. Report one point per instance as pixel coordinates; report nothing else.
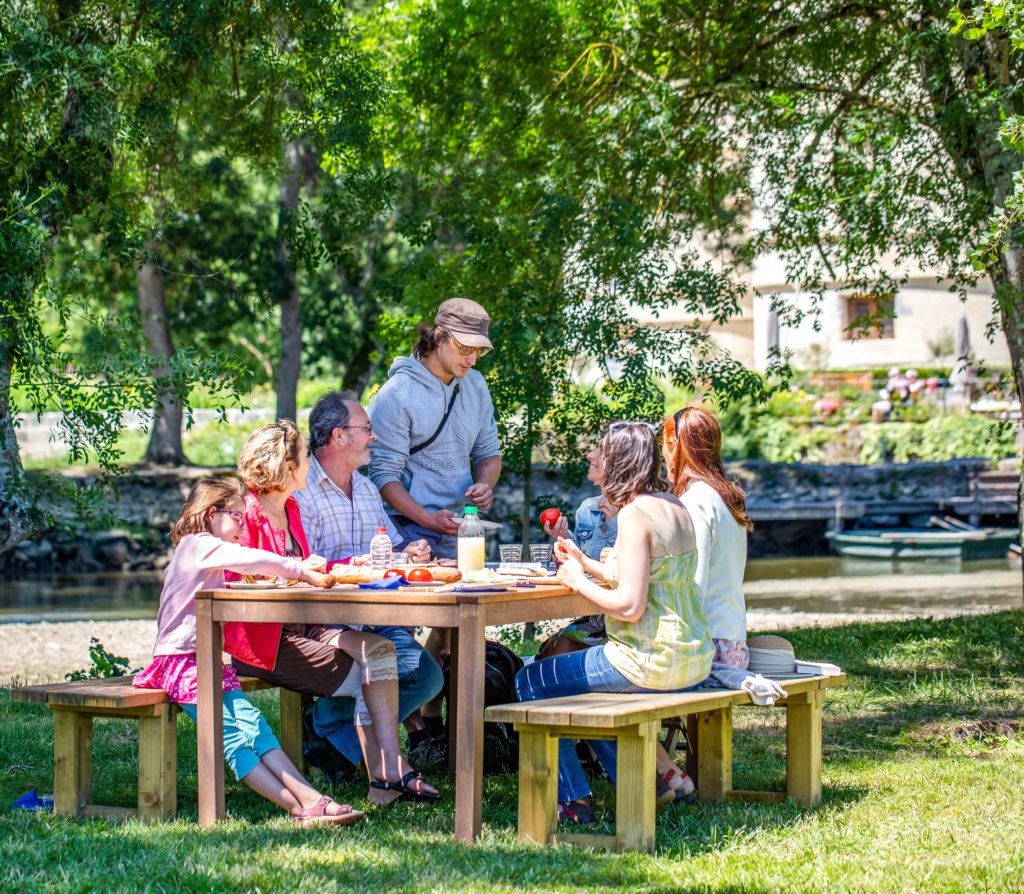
(437, 441)
(341, 511)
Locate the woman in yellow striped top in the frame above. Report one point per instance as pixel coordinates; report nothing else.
(658, 637)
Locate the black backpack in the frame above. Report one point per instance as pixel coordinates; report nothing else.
(501, 741)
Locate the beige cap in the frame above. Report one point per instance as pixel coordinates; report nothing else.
(771, 655)
(466, 320)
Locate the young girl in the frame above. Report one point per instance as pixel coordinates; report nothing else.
(313, 659)
(206, 535)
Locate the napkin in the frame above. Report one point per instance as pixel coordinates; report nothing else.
(386, 583)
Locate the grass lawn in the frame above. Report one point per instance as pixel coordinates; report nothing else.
(922, 792)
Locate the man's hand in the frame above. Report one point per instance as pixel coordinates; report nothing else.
(559, 529)
(360, 560)
(480, 495)
(418, 551)
(443, 521)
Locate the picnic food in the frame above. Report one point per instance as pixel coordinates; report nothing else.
(549, 516)
(394, 572)
(363, 574)
(419, 576)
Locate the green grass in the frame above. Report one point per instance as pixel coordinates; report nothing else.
(914, 800)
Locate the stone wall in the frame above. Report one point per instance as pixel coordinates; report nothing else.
(786, 501)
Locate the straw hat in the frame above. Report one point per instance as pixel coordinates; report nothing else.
(771, 655)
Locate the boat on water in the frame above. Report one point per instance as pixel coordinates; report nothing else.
(923, 543)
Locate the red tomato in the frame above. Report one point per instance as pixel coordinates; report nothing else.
(394, 572)
(419, 576)
(550, 516)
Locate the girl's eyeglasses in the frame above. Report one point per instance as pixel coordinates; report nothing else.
(233, 514)
(465, 350)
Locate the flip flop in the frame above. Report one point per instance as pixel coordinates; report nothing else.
(317, 815)
(403, 787)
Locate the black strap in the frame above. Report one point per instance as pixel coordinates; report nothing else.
(440, 428)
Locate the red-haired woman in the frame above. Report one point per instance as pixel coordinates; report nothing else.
(692, 447)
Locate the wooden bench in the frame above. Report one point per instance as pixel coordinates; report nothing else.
(634, 721)
(75, 706)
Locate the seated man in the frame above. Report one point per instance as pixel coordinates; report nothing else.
(341, 511)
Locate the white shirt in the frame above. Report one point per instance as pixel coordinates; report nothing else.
(721, 560)
(337, 526)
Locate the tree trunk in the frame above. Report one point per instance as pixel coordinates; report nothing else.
(301, 167)
(363, 368)
(16, 517)
(165, 436)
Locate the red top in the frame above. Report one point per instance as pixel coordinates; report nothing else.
(257, 644)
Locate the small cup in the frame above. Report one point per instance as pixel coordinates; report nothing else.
(540, 553)
(399, 557)
(511, 552)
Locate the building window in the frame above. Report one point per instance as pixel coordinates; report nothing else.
(868, 316)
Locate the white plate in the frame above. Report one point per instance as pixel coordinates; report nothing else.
(255, 585)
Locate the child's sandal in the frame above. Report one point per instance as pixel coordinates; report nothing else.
(317, 815)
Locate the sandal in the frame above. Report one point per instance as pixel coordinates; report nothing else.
(404, 788)
(681, 784)
(580, 811)
(317, 815)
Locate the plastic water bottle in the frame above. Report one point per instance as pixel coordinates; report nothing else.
(472, 549)
(380, 550)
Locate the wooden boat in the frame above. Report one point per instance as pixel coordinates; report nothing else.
(922, 543)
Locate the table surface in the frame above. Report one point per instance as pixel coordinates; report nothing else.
(466, 613)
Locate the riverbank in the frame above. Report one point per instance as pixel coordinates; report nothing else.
(49, 649)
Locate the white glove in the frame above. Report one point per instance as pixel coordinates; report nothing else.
(762, 690)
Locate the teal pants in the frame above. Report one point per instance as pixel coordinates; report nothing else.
(247, 735)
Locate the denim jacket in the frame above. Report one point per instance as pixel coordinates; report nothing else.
(592, 533)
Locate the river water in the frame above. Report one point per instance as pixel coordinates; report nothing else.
(821, 584)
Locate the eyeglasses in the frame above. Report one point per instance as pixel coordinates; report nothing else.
(366, 429)
(233, 514)
(465, 351)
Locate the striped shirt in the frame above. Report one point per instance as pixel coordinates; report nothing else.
(336, 525)
(670, 646)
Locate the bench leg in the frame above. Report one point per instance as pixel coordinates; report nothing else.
(72, 762)
(634, 788)
(692, 770)
(158, 765)
(714, 754)
(291, 727)
(803, 749)
(538, 786)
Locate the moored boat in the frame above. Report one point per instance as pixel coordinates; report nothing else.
(923, 543)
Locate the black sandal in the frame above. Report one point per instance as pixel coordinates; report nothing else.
(403, 787)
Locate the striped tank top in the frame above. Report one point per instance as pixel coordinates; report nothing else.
(670, 646)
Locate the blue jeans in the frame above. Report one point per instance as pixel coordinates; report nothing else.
(442, 546)
(419, 680)
(574, 674)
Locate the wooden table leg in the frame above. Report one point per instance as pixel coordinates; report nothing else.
(538, 786)
(469, 752)
(634, 788)
(452, 700)
(803, 748)
(210, 715)
(714, 754)
(72, 762)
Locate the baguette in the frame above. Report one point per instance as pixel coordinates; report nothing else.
(363, 574)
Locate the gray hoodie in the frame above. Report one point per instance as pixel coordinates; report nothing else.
(406, 412)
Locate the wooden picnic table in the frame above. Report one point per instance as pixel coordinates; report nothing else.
(466, 613)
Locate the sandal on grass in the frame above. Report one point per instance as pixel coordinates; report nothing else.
(317, 815)
(680, 783)
(405, 789)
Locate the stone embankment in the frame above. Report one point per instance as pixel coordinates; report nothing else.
(792, 505)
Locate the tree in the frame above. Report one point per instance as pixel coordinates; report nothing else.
(518, 184)
(85, 86)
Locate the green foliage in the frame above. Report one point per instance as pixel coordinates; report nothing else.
(938, 439)
(104, 664)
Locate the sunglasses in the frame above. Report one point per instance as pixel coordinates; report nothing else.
(618, 426)
(465, 351)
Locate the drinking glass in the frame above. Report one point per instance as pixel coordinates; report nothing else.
(540, 553)
(511, 552)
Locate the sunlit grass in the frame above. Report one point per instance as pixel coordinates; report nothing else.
(915, 799)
